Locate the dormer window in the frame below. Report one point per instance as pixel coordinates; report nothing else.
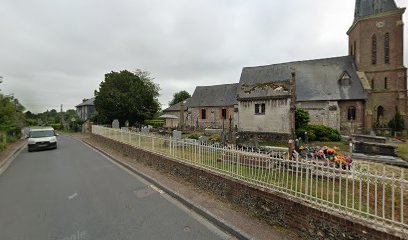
(345, 79)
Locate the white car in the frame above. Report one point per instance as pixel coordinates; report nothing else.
(42, 138)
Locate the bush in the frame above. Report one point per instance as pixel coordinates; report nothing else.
(319, 133)
(215, 138)
(2, 147)
(195, 136)
(302, 118)
(397, 123)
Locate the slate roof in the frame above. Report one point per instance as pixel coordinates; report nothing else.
(215, 96)
(315, 79)
(365, 8)
(176, 107)
(88, 102)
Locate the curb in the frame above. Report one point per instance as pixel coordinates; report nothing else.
(9, 159)
(196, 208)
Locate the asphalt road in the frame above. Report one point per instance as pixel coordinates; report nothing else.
(75, 193)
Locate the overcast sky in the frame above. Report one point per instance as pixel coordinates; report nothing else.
(56, 52)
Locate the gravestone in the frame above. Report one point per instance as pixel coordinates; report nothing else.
(203, 139)
(145, 130)
(115, 123)
(176, 134)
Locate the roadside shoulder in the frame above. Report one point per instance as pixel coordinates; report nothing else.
(8, 155)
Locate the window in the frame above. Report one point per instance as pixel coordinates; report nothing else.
(203, 114)
(385, 83)
(351, 113)
(224, 113)
(355, 49)
(345, 80)
(372, 84)
(260, 108)
(380, 113)
(387, 48)
(374, 49)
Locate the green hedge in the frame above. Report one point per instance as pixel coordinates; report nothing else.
(319, 133)
(155, 122)
(57, 126)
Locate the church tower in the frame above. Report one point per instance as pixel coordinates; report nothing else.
(376, 44)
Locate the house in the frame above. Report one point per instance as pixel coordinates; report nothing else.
(356, 93)
(213, 106)
(85, 109)
(171, 115)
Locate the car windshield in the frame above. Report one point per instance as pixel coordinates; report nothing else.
(43, 133)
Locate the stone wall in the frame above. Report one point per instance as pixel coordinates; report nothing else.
(275, 119)
(213, 117)
(273, 207)
(325, 113)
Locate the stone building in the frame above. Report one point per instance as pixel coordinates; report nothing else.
(330, 89)
(172, 114)
(213, 106)
(85, 109)
(266, 103)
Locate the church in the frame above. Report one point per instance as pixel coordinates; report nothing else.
(356, 93)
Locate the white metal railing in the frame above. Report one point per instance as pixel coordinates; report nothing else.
(377, 196)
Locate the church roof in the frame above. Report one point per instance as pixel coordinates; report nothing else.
(176, 107)
(87, 102)
(214, 96)
(365, 8)
(316, 80)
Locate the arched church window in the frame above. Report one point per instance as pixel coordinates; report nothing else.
(387, 48)
(351, 113)
(374, 49)
(380, 112)
(385, 83)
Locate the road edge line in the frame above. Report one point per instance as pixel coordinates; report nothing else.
(186, 202)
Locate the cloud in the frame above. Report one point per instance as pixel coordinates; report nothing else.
(57, 52)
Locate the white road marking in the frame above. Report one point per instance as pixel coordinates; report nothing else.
(73, 196)
(156, 189)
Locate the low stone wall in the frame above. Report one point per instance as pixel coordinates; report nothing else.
(273, 207)
(374, 148)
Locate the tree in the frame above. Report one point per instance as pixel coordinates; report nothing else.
(126, 96)
(397, 123)
(301, 118)
(11, 117)
(179, 96)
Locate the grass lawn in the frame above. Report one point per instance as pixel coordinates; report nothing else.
(402, 150)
